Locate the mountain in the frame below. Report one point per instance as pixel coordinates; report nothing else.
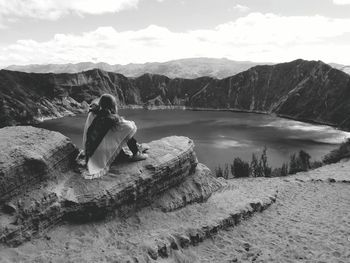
(182, 68)
(303, 90)
(341, 67)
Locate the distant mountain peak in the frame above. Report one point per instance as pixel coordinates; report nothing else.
(182, 68)
(188, 68)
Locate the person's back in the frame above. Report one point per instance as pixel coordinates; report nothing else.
(104, 136)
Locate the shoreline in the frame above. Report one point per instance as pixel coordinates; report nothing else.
(186, 108)
(174, 107)
(311, 121)
(140, 111)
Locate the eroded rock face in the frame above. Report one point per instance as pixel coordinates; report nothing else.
(155, 207)
(40, 186)
(30, 156)
(129, 184)
(197, 187)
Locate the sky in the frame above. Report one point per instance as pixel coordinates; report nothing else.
(139, 31)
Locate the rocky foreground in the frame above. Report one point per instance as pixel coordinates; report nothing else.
(168, 208)
(309, 222)
(151, 208)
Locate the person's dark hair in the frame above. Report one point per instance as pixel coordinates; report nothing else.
(108, 103)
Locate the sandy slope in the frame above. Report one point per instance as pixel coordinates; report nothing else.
(137, 236)
(310, 222)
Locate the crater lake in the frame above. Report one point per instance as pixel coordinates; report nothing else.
(220, 136)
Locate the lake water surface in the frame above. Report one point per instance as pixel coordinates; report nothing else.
(221, 136)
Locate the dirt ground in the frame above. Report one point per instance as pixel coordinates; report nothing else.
(309, 222)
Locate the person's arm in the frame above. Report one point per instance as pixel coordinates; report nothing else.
(88, 122)
(117, 121)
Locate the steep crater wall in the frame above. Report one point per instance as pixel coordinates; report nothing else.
(303, 90)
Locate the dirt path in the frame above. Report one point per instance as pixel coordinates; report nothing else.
(310, 222)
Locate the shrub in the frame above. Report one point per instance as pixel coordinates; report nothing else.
(265, 168)
(282, 171)
(218, 171)
(255, 169)
(222, 172)
(315, 164)
(240, 168)
(304, 160)
(260, 168)
(300, 162)
(293, 164)
(226, 172)
(343, 151)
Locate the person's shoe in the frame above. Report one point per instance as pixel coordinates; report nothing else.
(139, 157)
(143, 147)
(123, 156)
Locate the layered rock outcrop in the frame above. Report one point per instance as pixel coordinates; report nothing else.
(40, 186)
(303, 90)
(29, 156)
(152, 208)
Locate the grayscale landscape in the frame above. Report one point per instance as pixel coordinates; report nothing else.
(219, 130)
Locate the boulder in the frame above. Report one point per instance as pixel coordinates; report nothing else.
(197, 187)
(40, 186)
(29, 156)
(130, 184)
(150, 209)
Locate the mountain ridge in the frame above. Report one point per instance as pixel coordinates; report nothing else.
(303, 90)
(181, 68)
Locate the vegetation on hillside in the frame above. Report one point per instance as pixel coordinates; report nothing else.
(298, 162)
(343, 151)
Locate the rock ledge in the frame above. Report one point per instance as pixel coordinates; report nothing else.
(40, 188)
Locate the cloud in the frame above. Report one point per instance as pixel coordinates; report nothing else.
(341, 2)
(53, 9)
(241, 8)
(255, 37)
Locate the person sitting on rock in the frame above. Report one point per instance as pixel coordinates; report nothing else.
(105, 135)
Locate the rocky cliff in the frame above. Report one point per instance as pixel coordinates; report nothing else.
(40, 186)
(153, 208)
(168, 208)
(304, 90)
